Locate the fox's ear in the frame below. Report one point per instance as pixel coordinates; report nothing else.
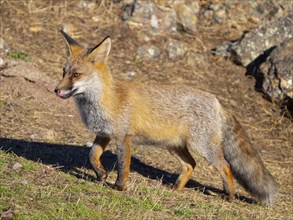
(100, 52)
(72, 46)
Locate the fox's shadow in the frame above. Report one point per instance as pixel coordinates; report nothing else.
(70, 159)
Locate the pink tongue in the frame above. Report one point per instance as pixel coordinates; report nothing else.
(59, 94)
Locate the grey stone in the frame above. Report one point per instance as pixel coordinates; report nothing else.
(187, 15)
(196, 59)
(238, 14)
(277, 73)
(131, 73)
(8, 214)
(222, 50)
(255, 43)
(148, 17)
(24, 182)
(147, 52)
(17, 166)
(175, 49)
(161, 18)
(127, 12)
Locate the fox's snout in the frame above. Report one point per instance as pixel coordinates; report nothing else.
(63, 91)
(57, 92)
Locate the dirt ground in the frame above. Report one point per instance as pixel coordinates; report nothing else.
(31, 112)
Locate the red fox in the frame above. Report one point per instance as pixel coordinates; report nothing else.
(182, 119)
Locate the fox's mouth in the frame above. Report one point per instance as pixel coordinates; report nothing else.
(66, 95)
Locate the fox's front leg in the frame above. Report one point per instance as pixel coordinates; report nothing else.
(123, 159)
(97, 150)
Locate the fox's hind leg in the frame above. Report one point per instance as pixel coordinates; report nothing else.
(97, 150)
(227, 178)
(223, 167)
(187, 162)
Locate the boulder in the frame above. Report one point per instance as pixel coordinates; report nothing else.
(254, 43)
(187, 15)
(162, 18)
(149, 18)
(277, 73)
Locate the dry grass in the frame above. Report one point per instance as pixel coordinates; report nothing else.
(60, 182)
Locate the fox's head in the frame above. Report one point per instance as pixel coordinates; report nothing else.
(85, 68)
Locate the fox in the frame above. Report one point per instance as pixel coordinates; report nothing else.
(184, 120)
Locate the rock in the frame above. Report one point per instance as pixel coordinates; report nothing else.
(223, 49)
(127, 12)
(29, 71)
(8, 214)
(131, 74)
(175, 49)
(17, 166)
(4, 48)
(255, 43)
(187, 14)
(147, 52)
(241, 13)
(49, 135)
(196, 59)
(24, 182)
(166, 17)
(277, 73)
(149, 18)
(86, 5)
(89, 144)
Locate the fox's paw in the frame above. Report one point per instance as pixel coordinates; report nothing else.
(228, 198)
(102, 175)
(118, 188)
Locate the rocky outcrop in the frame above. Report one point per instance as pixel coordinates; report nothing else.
(277, 73)
(255, 43)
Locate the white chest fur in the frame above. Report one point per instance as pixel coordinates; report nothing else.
(92, 114)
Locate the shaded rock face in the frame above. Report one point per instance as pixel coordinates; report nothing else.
(277, 73)
(253, 44)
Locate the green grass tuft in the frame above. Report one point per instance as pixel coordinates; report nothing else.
(17, 55)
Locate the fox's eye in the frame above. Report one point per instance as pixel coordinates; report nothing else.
(76, 74)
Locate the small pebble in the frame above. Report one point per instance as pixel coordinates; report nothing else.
(17, 166)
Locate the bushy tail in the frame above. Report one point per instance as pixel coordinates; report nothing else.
(246, 164)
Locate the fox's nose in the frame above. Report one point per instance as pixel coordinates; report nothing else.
(56, 90)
